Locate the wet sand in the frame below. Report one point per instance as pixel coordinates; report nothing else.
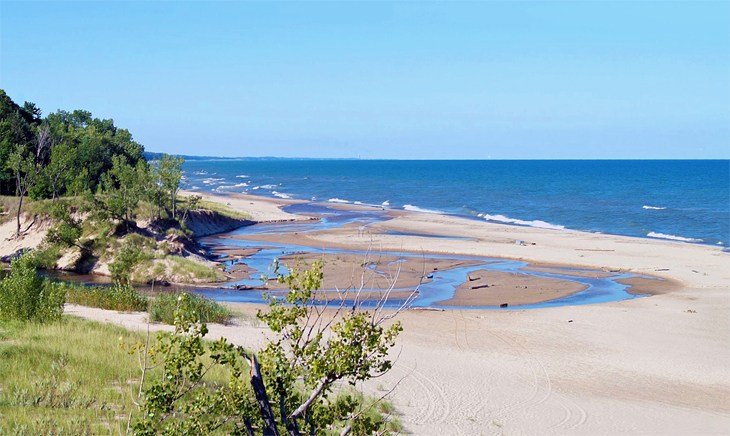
(651, 285)
(496, 288)
(369, 272)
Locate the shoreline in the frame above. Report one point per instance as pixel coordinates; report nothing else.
(556, 247)
(347, 205)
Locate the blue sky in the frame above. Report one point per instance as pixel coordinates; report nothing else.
(384, 80)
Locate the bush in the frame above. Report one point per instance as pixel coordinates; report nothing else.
(293, 385)
(47, 256)
(163, 307)
(25, 296)
(122, 297)
(132, 253)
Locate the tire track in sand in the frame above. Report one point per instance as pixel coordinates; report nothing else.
(574, 414)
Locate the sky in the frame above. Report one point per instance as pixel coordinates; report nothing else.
(481, 80)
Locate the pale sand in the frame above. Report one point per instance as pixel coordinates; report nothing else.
(261, 209)
(656, 365)
(30, 239)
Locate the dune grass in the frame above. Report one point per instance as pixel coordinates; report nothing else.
(118, 297)
(163, 306)
(215, 207)
(79, 377)
(68, 377)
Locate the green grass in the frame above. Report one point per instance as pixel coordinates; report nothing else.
(216, 207)
(183, 267)
(69, 377)
(118, 297)
(176, 269)
(162, 309)
(79, 377)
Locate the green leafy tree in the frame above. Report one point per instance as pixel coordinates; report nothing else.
(170, 174)
(67, 230)
(57, 174)
(16, 129)
(123, 188)
(192, 203)
(285, 388)
(22, 165)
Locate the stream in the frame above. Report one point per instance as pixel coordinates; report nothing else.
(441, 287)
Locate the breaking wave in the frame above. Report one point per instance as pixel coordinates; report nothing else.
(507, 220)
(413, 208)
(672, 237)
(281, 195)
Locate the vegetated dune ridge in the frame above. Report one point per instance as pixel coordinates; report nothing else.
(650, 365)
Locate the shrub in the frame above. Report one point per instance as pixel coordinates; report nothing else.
(122, 297)
(293, 385)
(47, 256)
(130, 255)
(163, 308)
(25, 296)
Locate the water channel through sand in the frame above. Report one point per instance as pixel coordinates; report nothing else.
(446, 279)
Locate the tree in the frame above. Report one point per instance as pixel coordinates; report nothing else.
(287, 386)
(122, 188)
(192, 203)
(67, 230)
(16, 128)
(170, 173)
(57, 173)
(23, 167)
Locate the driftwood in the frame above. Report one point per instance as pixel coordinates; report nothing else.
(250, 288)
(480, 286)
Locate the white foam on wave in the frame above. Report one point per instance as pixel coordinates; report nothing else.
(385, 203)
(213, 180)
(653, 207)
(242, 176)
(268, 186)
(337, 200)
(534, 223)
(413, 208)
(200, 173)
(672, 237)
(281, 195)
(231, 187)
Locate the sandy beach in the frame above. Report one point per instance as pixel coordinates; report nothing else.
(655, 365)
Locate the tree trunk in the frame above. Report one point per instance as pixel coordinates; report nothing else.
(259, 389)
(17, 217)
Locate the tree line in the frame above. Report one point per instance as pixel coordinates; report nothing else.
(75, 154)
